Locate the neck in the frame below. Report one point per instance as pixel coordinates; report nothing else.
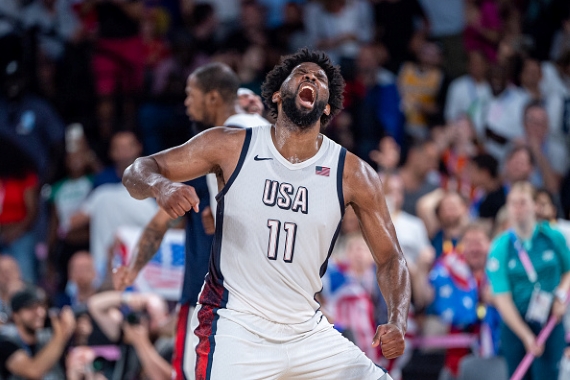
(295, 144)
(223, 114)
(26, 337)
(456, 230)
(525, 229)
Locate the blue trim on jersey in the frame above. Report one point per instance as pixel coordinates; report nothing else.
(339, 174)
(239, 165)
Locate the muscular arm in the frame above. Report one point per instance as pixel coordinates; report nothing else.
(20, 364)
(363, 190)
(214, 150)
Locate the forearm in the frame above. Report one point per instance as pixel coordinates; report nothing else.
(142, 178)
(48, 356)
(422, 291)
(148, 245)
(509, 313)
(550, 178)
(565, 282)
(154, 366)
(394, 280)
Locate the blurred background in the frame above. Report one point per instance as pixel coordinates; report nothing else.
(452, 101)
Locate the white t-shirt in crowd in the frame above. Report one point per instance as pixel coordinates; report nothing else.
(109, 207)
(464, 93)
(412, 235)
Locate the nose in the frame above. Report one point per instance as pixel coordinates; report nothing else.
(310, 77)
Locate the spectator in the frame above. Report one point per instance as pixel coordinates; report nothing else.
(291, 35)
(421, 88)
(26, 349)
(447, 23)
(250, 103)
(446, 222)
(124, 149)
(117, 62)
(411, 231)
(483, 28)
(81, 281)
(551, 159)
(556, 85)
(202, 26)
(19, 186)
(529, 259)
(10, 10)
(459, 145)
(251, 29)
(277, 11)
(546, 210)
(10, 283)
(26, 120)
(139, 325)
(490, 194)
(66, 197)
(396, 27)
(421, 162)
(541, 21)
(55, 26)
(519, 166)
(373, 102)
(500, 121)
(457, 291)
(339, 27)
(561, 40)
(106, 209)
(470, 90)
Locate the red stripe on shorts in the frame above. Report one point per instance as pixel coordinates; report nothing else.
(211, 299)
(180, 341)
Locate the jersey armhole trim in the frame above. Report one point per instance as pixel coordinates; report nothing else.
(339, 174)
(239, 165)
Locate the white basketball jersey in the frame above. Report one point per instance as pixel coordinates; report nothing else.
(275, 229)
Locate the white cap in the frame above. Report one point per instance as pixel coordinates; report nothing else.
(244, 91)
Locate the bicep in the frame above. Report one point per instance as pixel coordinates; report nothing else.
(200, 155)
(364, 192)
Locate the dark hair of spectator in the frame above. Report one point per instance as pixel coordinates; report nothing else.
(487, 162)
(447, 195)
(280, 72)
(532, 104)
(543, 191)
(218, 77)
(15, 162)
(200, 13)
(524, 148)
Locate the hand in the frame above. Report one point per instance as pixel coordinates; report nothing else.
(124, 277)
(558, 309)
(391, 339)
(208, 221)
(63, 326)
(136, 301)
(176, 199)
(135, 334)
(531, 346)
(388, 154)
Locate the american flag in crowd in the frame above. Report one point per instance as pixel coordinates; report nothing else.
(322, 170)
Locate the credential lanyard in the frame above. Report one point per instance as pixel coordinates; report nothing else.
(524, 258)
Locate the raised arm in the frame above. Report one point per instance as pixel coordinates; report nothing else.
(215, 150)
(363, 190)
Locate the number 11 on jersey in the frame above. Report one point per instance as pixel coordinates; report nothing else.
(274, 232)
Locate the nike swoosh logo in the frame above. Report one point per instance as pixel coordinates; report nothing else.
(257, 158)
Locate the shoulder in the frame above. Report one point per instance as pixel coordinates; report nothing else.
(500, 244)
(360, 180)
(552, 233)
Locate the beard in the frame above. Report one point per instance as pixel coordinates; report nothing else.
(302, 118)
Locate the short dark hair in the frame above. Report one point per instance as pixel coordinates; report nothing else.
(487, 162)
(533, 104)
(219, 77)
(280, 72)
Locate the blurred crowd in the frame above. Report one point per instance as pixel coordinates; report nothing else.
(463, 107)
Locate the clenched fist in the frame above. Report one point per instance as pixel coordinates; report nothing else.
(177, 198)
(391, 339)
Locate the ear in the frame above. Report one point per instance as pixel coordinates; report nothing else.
(276, 97)
(327, 110)
(213, 97)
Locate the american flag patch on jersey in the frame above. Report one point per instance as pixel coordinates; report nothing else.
(322, 170)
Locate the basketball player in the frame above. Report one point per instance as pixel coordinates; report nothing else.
(284, 189)
(211, 97)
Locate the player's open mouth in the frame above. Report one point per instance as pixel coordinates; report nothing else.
(307, 96)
